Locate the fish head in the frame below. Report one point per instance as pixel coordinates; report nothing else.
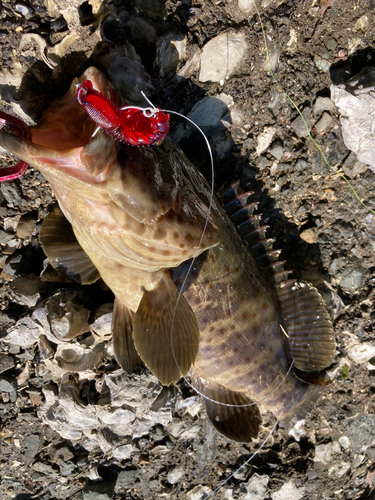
(143, 192)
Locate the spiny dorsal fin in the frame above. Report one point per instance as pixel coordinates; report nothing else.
(63, 250)
(237, 423)
(153, 333)
(309, 328)
(249, 227)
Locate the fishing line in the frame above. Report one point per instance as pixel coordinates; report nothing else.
(245, 463)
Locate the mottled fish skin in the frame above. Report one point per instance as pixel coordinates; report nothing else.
(140, 211)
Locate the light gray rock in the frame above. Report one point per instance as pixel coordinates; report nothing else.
(222, 57)
(288, 492)
(355, 101)
(323, 104)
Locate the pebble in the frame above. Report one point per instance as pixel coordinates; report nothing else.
(210, 110)
(344, 442)
(101, 491)
(310, 235)
(6, 363)
(222, 57)
(199, 493)
(298, 430)
(299, 126)
(356, 110)
(123, 452)
(350, 280)
(361, 353)
(26, 291)
(361, 431)
(277, 150)
(31, 444)
(353, 167)
(8, 388)
(125, 479)
(11, 193)
(324, 123)
(323, 104)
(257, 487)
(175, 475)
(288, 492)
(265, 139)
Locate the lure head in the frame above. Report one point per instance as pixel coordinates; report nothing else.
(131, 125)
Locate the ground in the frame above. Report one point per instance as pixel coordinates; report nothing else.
(325, 234)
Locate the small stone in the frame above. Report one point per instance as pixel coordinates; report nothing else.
(324, 123)
(5, 237)
(361, 353)
(362, 24)
(222, 57)
(339, 469)
(26, 291)
(265, 139)
(123, 452)
(67, 468)
(277, 150)
(199, 493)
(344, 442)
(11, 193)
(125, 479)
(353, 167)
(257, 487)
(175, 475)
(101, 491)
(210, 110)
(331, 44)
(8, 388)
(26, 227)
(25, 333)
(247, 6)
(351, 280)
(301, 165)
(262, 162)
(31, 444)
(310, 235)
(288, 492)
(322, 62)
(298, 430)
(6, 363)
(300, 127)
(361, 431)
(323, 104)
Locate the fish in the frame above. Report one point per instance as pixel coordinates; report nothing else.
(140, 218)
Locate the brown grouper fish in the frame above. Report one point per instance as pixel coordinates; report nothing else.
(138, 215)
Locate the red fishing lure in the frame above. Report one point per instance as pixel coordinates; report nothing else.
(18, 127)
(134, 126)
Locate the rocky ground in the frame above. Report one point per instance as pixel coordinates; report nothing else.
(72, 424)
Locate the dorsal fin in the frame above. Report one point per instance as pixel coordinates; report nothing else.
(248, 224)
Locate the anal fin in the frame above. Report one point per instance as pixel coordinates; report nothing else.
(164, 317)
(64, 252)
(308, 326)
(239, 423)
(122, 335)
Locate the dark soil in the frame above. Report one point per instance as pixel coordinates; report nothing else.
(325, 235)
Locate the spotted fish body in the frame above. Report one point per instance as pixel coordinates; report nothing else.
(138, 214)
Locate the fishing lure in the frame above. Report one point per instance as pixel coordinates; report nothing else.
(130, 124)
(20, 128)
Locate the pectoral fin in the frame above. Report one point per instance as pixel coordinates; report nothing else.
(308, 326)
(239, 422)
(63, 250)
(165, 319)
(122, 334)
